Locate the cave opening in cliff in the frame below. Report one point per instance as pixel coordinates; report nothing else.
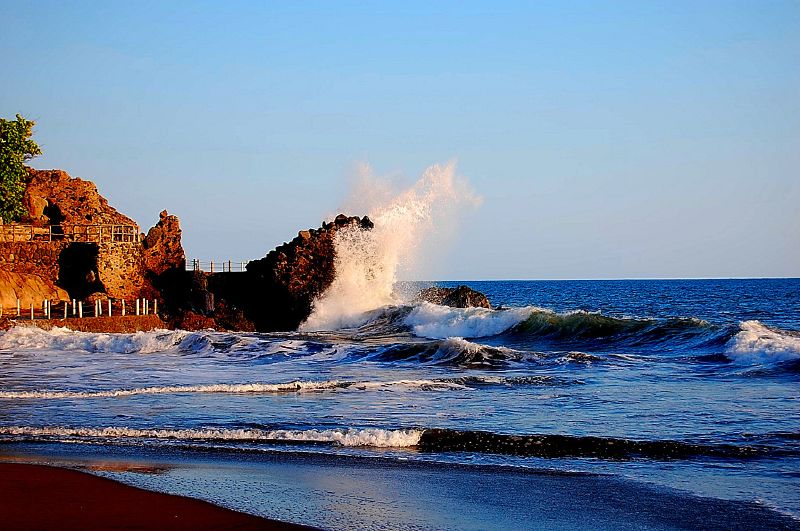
(78, 270)
(53, 213)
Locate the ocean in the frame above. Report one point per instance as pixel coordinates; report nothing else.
(688, 388)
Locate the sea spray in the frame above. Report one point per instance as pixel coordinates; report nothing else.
(368, 261)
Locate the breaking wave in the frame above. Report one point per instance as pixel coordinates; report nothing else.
(367, 262)
(756, 343)
(373, 437)
(440, 322)
(32, 338)
(465, 383)
(436, 440)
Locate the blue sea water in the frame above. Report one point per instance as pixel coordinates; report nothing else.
(691, 384)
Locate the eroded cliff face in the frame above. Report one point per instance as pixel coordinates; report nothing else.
(102, 260)
(29, 289)
(53, 197)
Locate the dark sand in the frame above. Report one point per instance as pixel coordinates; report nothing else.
(44, 497)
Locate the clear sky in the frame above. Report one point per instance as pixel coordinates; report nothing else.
(608, 139)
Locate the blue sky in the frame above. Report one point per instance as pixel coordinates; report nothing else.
(608, 140)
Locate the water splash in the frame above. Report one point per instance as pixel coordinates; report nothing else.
(368, 261)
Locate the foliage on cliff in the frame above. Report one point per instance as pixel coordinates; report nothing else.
(16, 148)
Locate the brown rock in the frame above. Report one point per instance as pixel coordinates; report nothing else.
(460, 297)
(162, 245)
(67, 200)
(29, 289)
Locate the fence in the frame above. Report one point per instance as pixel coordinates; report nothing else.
(80, 309)
(93, 233)
(217, 266)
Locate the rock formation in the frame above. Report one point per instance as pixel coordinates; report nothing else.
(460, 297)
(277, 292)
(91, 248)
(29, 289)
(53, 197)
(162, 246)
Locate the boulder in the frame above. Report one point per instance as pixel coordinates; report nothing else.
(460, 297)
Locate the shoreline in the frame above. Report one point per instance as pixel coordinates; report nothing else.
(344, 492)
(36, 496)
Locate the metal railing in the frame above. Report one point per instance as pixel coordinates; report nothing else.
(217, 266)
(90, 232)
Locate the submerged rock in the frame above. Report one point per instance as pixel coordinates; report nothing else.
(460, 297)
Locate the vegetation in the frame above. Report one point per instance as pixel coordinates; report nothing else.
(16, 148)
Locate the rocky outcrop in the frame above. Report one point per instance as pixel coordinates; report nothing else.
(460, 297)
(162, 245)
(53, 197)
(288, 279)
(29, 289)
(87, 251)
(275, 293)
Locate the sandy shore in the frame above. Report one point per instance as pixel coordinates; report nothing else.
(44, 497)
(345, 492)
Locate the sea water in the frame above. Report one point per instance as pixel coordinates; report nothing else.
(689, 384)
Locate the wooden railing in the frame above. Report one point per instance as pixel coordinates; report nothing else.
(94, 233)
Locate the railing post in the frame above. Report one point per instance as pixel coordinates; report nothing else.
(109, 307)
(80, 309)
(18, 312)
(66, 309)
(123, 307)
(31, 311)
(137, 306)
(155, 306)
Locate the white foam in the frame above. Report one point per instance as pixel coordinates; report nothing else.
(288, 387)
(759, 344)
(454, 347)
(373, 437)
(367, 262)
(440, 322)
(24, 338)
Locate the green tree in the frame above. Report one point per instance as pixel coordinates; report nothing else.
(16, 148)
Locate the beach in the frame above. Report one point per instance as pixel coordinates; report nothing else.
(46, 497)
(349, 493)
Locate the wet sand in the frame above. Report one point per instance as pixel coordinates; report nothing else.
(340, 492)
(45, 497)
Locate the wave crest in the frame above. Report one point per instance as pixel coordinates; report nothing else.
(756, 343)
(373, 437)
